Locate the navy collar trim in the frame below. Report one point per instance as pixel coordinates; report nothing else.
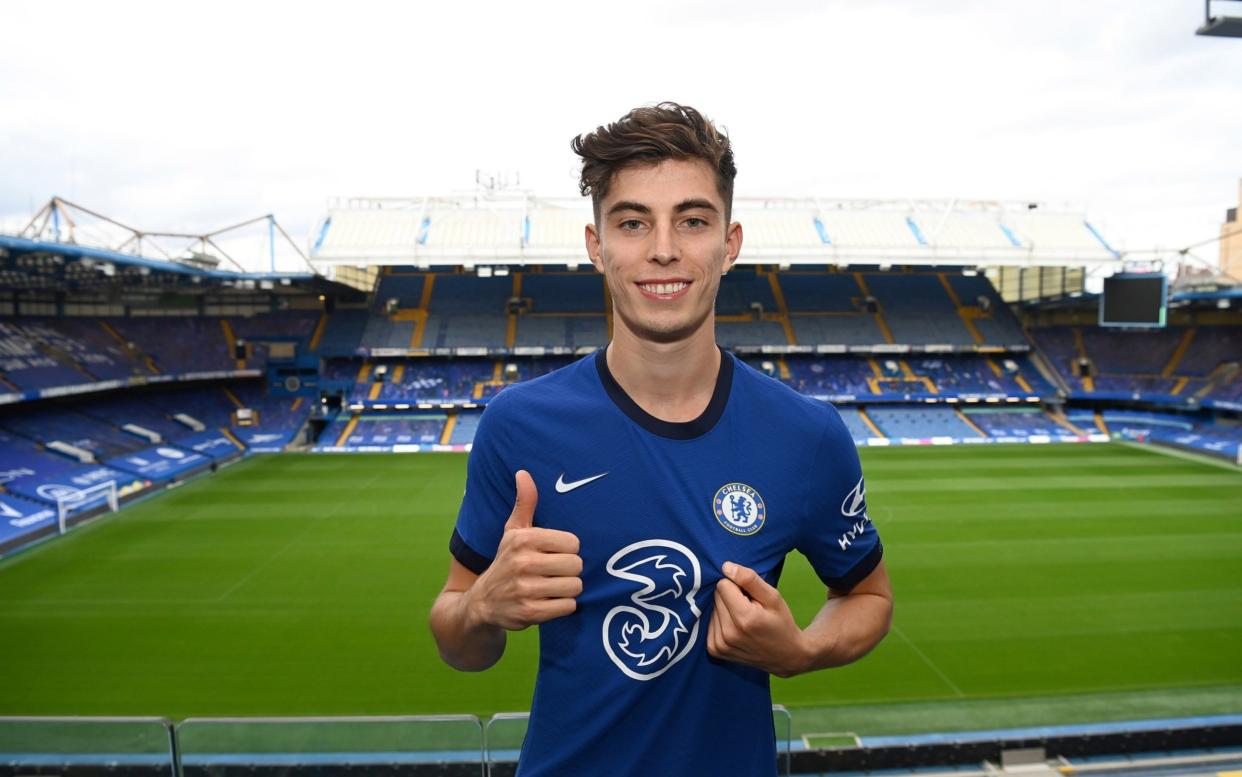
(673, 430)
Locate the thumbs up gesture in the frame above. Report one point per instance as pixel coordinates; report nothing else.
(752, 624)
(535, 575)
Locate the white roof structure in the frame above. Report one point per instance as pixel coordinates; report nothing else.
(506, 227)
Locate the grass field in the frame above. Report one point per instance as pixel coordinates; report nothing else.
(1035, 585)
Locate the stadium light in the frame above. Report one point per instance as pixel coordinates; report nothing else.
(1220, 26)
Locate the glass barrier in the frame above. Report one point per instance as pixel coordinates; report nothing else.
(289, 746)
(138, 746)
(504, 732)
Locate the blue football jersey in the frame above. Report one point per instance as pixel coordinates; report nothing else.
(625, 683)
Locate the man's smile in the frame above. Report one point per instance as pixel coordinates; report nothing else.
(663, 290)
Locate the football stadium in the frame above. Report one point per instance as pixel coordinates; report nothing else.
(232, 460)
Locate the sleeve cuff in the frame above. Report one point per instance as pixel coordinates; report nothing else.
(864, 567)
(470, 558)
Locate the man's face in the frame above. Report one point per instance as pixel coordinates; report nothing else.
(662, 243)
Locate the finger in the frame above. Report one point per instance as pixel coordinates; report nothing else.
(546, 609)
(523, 514)
(728, 597)
(555, 588)
(549, 540)
(752, 583)
(715, 645)
(553, 565)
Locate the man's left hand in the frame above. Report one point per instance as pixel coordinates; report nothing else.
(753, 625)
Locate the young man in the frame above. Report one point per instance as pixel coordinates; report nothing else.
(639, 504)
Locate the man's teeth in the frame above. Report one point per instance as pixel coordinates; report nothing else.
(664, 288)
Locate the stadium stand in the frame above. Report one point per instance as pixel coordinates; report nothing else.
(920, 422)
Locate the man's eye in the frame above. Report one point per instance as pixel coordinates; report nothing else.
(695, 222)
(631, 224)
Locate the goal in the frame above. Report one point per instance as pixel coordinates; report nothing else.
(79, 499)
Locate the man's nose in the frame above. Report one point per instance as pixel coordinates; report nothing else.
(664, 250)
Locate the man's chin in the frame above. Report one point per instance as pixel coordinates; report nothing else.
(665, 334)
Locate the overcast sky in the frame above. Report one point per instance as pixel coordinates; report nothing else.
(180, 116)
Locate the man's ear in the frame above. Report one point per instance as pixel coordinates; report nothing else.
(595, 247)
(733, 245)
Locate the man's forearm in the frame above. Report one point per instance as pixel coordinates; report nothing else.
(845, 629)
(464, 643)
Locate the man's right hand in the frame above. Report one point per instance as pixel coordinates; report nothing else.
(535, 575)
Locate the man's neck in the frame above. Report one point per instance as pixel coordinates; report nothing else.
(672, 381)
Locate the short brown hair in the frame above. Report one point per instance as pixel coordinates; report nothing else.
(651, 134)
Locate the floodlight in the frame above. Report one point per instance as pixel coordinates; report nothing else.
(1220, 26)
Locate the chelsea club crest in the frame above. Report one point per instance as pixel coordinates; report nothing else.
(739, 509)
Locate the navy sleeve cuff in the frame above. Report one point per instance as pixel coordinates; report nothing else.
(864, 567)
(470, 558)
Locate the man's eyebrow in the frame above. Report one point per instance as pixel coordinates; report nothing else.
(637, 207)
(686, 205)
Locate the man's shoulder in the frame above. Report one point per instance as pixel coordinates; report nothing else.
(571, 383)
(795, 413)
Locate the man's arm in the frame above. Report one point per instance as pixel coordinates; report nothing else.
(534, 578)
(753, 625)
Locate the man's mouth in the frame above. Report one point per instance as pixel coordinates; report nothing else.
(663, 289)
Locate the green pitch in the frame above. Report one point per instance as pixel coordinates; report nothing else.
(1034, 585)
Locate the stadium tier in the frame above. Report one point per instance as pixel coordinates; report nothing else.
(908, 357)
(1170, 366)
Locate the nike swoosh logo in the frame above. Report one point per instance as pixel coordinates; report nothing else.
(564, 488)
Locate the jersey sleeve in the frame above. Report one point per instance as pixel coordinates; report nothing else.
(489, 496)
(838, 536)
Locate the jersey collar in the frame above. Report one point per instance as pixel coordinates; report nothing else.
(673, 430)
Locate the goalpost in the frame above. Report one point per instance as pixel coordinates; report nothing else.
(83, 498)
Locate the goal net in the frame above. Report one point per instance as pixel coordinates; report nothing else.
(81, 499)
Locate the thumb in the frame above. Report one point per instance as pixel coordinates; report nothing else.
(523, 515)
(752, 583)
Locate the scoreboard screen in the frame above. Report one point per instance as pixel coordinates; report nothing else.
(1134, 299)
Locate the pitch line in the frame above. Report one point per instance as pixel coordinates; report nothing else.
(897, 630)
(1175, 453)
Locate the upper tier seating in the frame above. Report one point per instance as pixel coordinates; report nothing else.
(917, 309)
(581, 292)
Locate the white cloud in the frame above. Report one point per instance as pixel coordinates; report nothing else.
(171, 116)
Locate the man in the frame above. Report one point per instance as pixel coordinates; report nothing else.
(652, 491)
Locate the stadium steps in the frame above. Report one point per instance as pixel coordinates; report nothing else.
(1043, 365)
(1187, 337)
(364, 372)
(968, 315)
(782, 309)
(130, 348)
(1219, 377)
(1099, 423)
(1178, 386)
(65, 359)
(348, 430)
(782, 368)
(879, 309)
(449, 425)
(1058, 418)
(317, 335)
(1088, 382)
(1021, 381)
(970, 423)
(227, 432)
(376, 388)
(233, 398)
(866, 419)
(511, 317)
(231, 341)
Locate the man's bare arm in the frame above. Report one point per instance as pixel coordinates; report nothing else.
(535, 577)
(753, 625)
